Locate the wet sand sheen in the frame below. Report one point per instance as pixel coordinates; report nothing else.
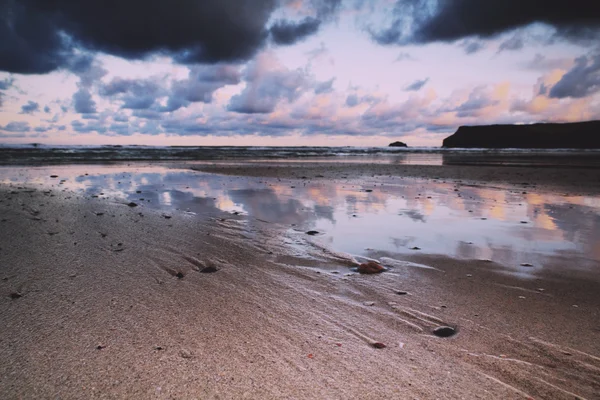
(112, 303)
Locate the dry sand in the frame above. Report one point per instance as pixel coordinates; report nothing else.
(91, 307)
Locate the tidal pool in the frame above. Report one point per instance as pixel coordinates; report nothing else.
(389, 216)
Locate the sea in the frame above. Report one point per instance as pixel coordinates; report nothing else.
(29, 154)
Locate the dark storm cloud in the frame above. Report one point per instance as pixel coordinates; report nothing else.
(288, 32)
(417, 85)
(424, 21)
(30, 107)
(39, 36)
(580, 81)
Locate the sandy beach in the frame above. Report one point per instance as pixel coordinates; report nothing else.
(104, 299)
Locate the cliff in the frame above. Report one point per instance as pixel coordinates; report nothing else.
(579, 135)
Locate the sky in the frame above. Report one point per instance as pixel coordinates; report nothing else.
(291, 72)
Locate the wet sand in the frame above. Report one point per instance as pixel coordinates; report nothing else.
(103, 300)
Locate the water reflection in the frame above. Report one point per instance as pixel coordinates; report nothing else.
(437, 218)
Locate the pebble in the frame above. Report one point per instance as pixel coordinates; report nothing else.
(132, 204)
(401, 292)
(186, 354)
(312, 233)
(370, 268)
(526, 265)
(15, 295)
(444, 331)
(369, 303)
(378, 345)
(208, 270)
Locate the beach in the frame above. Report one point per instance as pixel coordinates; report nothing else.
(210, 287)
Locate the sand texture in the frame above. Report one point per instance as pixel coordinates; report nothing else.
(102, 300)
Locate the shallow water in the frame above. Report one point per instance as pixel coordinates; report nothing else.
(391, 217)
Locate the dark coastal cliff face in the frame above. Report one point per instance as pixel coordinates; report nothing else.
(580, 135)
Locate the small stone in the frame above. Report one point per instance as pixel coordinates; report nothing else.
(208, 270)
(312, 233)
(370, 268)
(186, 354)
(469, 275)
(159, 348)
(444, 331)
(526, 265)
(401, 292)
(524, 222)
(100, 347)
(368, 190)
(179, 275)
(132, 204)
(15, 295)
(415, 248)
(378, 345)
(369, 303)
(53, 176)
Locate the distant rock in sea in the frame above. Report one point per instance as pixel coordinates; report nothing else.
(578, 135)
(397, 144)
